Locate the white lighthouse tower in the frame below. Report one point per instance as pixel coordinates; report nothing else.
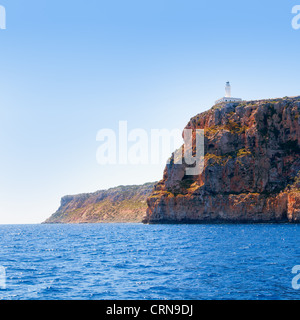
(228, 90)
(228, 97)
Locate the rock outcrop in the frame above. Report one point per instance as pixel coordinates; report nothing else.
(120, 204)
(251, 168)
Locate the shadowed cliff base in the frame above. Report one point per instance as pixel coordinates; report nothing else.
(251, 168)
(216, 222)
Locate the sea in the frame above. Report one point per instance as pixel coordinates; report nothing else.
(146, 262)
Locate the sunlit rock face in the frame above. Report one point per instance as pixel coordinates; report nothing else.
(251, 168)
(120, 204)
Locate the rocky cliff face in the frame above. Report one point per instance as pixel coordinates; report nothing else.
(251, 168)
(120, 204)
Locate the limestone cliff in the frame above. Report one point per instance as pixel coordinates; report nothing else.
(120, 204)
(251, 168)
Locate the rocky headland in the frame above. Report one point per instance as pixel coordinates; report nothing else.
(251, 168)
(120, 204)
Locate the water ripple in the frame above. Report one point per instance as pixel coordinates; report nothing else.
(134, 261)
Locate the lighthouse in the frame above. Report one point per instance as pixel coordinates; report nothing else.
(228, 90)
(228, 97)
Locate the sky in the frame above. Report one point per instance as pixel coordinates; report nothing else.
(71, 68)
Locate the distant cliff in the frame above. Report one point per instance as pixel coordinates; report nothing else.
(251, 171)
(120, 204)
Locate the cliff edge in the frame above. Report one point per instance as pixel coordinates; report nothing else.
(251, 168)
(120, 204)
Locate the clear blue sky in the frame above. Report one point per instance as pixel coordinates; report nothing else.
(69, 68)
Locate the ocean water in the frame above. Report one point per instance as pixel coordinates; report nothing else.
(135, 261)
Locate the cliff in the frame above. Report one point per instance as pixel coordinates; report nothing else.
(120, 204)
(251, 168)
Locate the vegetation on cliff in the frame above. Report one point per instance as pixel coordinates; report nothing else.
(251, 170)
(120, 204)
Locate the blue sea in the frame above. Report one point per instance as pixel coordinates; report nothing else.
(135, 261)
